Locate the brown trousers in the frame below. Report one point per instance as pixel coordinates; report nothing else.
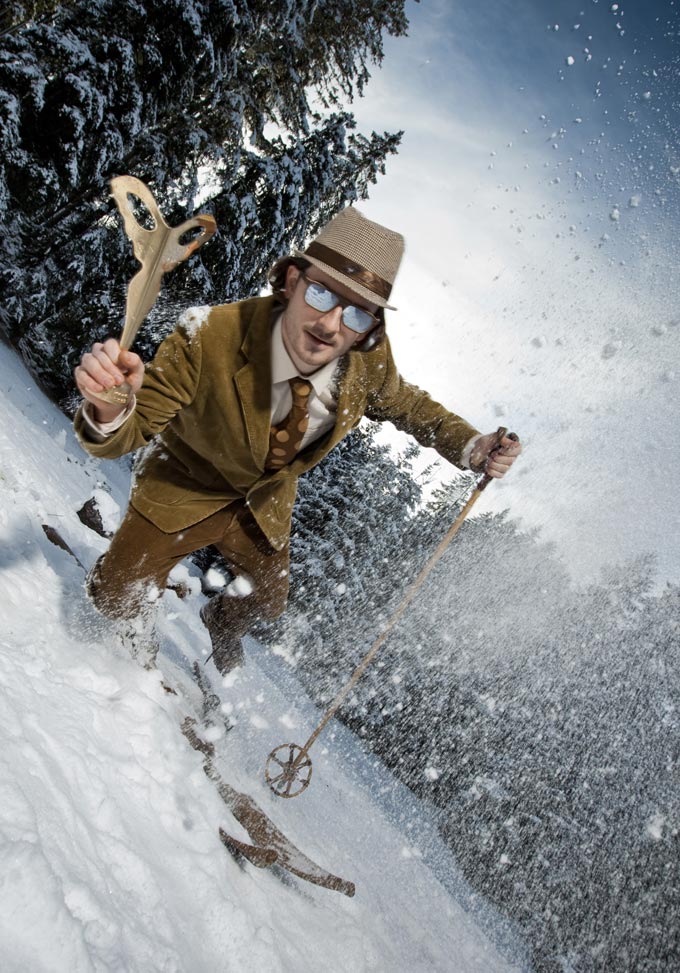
(132, 574)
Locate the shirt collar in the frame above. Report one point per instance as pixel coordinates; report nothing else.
(283, 368)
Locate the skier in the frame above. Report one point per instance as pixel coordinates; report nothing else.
(240, 401)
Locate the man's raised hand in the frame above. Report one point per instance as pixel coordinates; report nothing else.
(107, 366)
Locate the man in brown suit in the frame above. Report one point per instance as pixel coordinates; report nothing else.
(240, 401)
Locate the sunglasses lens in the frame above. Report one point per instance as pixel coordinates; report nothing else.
(320, 298)
(357, 319)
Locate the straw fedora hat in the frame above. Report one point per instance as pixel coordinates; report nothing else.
(358, 253)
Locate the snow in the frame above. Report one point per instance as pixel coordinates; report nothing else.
(240, 586)
(109, 852)
(214, 579)
(107, 506)
(194, 318)
(611, 348)
(655, 826)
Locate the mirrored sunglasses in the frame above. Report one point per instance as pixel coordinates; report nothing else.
(322, 299)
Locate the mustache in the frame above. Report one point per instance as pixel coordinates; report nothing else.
(321, 335)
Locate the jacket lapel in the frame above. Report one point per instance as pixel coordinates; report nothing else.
(253, 381)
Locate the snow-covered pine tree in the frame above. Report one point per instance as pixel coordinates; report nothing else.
(15, 16)
(540, 721)
(195, 97)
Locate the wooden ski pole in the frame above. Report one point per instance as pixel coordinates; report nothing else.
(292, 766)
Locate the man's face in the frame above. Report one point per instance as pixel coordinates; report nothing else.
(313, 338)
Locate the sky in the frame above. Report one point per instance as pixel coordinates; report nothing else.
(538, 188)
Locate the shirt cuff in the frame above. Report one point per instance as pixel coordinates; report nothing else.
(467, 451)
(105, 429)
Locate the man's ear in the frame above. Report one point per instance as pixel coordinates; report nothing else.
(292, 277)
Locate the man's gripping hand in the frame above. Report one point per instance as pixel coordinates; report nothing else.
(107, 366)
(490, 457)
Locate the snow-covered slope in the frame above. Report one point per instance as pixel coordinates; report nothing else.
(109, 850)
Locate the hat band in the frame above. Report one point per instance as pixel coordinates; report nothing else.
(354, 271)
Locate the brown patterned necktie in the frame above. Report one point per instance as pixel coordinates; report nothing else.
(285, 439)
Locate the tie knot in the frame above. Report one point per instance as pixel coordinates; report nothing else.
(299, 387)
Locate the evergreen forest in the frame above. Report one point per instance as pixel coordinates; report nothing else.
(231, 107)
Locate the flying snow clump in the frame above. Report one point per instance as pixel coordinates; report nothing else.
(214, 579)
(240, 587)
(655, 826)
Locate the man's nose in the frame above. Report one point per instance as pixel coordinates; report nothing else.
(331, 320)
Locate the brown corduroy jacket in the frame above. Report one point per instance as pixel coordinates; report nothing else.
(203, 414)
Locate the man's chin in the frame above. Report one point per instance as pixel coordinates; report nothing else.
(317, 352)
(313, 363)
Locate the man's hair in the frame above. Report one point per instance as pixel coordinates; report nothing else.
(277, 275)
(277, 280)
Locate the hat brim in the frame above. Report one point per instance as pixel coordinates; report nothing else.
(352, 285)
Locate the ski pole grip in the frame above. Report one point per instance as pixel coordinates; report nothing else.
(501, 433)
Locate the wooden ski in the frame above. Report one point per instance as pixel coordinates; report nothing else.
(260, 857)
(264, 834)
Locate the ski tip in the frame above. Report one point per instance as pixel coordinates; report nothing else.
(256, 855)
